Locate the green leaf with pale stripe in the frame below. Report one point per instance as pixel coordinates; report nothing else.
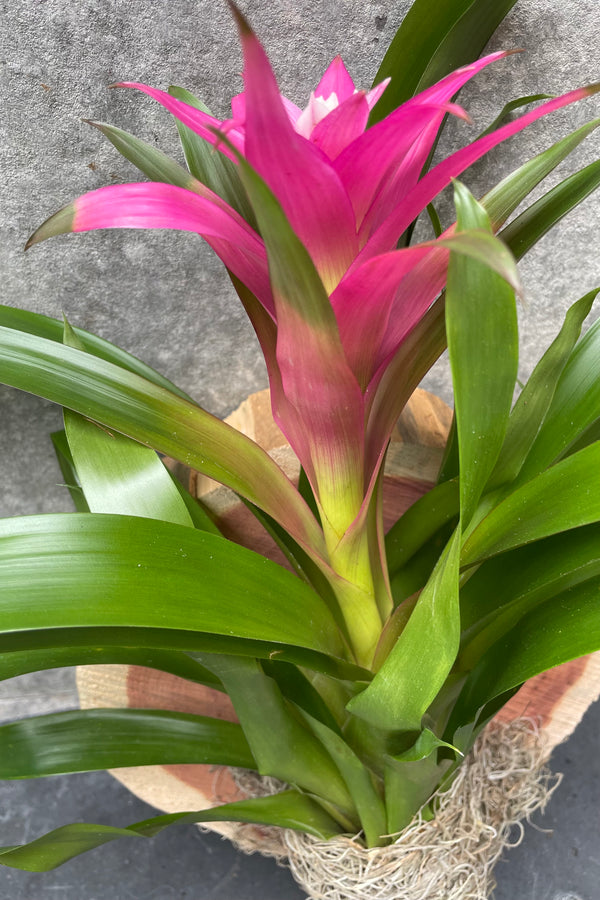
(151, 415)
(86, 570)
(289, 809)
(483, 346)
(90, 740)
(423, 655)
(561, 498)
(53, 330)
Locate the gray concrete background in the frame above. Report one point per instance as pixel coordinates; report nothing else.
(163, 297)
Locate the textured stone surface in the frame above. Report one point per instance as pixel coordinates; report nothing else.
(163, 297)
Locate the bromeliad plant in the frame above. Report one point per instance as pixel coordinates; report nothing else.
(362, 674)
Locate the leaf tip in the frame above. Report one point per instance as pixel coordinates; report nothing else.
(60, 223)
(241, 21)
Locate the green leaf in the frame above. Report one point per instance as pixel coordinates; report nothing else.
(420, 523)
(534, 401)
(116, 474)
(151, 415)
(503, 199)
(504, 114)
(528, 228)
(86, 570)
(65, 462)
(282, 746)
(574, 408)
(423, 747)
(155, 164)
(295, 686)
(483, 345)
(90, 740)
(359, 782)
(408, 786)
(19, 662)
(563, 628)
(289, 809)
(208, 165)
(423, 655)
(436, 37)
(561, 498)
(53, 330)
(506, 588)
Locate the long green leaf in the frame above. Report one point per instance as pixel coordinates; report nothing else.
(53, 330)
(89, 740)
(65, 462)
(289, 809)
(151, 415)
(504, 114)
(207, 165)
(561, 498)
(483, 345)
(504, 589)
(86, 570)
(534, 401)
(116, 474)
(503, 199)
(281, 744)
(423, 655)
(420, 523)
(436, 37)
(359, 782)
(528, 228)
(574, 408)
(564, 628)
(20, 662)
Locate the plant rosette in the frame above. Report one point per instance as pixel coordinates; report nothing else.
(364, 670)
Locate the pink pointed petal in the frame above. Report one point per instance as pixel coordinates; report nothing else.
(200, 122)
(297, 172)
(166, 206)
(439, 177)
(375, 93)
(363, 302)
(336, 80)
(366, 165)
(342, 126)
(399, 146)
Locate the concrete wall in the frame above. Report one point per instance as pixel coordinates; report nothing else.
(161, 295)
